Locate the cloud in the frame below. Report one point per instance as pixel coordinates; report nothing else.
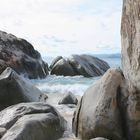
(70, 26)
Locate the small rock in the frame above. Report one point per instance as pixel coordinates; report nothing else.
(69, 98)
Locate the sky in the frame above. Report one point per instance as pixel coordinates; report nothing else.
(64, 27)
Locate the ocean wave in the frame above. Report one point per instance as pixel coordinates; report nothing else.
(76, 89)
(64, 84)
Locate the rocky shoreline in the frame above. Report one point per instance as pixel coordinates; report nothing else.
(108, 110)
(23, 107)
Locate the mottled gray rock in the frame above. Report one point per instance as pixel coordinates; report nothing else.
(69, 98)
(32, 121)
(98, 113)
(15, 89)
(87, 65)
(55, 61)
(130, 36)
(62, 67)
(20, 55)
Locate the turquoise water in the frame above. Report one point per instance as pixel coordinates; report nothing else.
(77, 84)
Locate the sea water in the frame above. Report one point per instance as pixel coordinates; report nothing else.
(76, 84)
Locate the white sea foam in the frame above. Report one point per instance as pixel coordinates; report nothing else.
(61, 84)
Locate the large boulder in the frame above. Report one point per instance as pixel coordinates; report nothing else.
(20, 55)
(62, 67)
(98, 113)
(130, 32)
(88, 66)
(130, 36)
(32, 121)
(15, 89)
(85, 65)
(69, 98)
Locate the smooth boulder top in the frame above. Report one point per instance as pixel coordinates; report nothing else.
(15, 89)
(86, 65)
(20, 55)
(32, 121)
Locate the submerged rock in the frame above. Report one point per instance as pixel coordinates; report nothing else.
(98, 113)
(20, 55)
(15, 89)
(32, 121)
(69, 98)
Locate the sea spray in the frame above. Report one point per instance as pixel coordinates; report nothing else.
(61, 85)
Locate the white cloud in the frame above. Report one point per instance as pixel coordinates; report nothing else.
(62, 27)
